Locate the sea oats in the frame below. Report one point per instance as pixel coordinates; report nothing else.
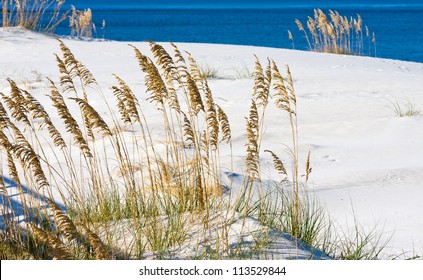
(100, 249)
(188, 131)
(262, 82)
(66, 79)
(94, 119)
(252, 159)
(180, 64)
(224, 124)
(23, 151)
(4, 117)
(37, 111)
(308, 168)
(4, 141)
(76, 68)
(277, 163)
(153, 81)
(170, 72)
(196, 102)
(81, 23)
(211, 118)
(300, 25)
(127, 102)
(15, 102)
(55, 246)
(281, 96)
(195, 71)
(338, 34)
(205, 144)
(71, 124)
(63, 222)
(290, 86)
(164, 60)
(290, 35)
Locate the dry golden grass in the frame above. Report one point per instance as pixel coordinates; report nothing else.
(182, 180)
(40, 15)
(178, 180)
(81, 23)
(339, 34)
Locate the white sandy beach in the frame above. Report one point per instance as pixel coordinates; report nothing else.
(367, 162)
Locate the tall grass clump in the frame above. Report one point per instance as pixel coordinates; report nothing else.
(338, 34)
(405, 109)
(152, 182)
(103, 184)
(243, 72)
(81, 23)
(208, 72)
(39, 15)
(272, 85)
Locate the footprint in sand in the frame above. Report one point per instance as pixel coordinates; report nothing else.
(329, 158)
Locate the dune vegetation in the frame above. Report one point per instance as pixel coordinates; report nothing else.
(39, 15)
(108, 186)
(338, 34)
(45, 16)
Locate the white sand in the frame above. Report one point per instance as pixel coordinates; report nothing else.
(367, 162)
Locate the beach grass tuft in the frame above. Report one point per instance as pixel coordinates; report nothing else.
(39, 15)
(405, 109)
(334, 33)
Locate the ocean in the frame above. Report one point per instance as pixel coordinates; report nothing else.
(398, 26)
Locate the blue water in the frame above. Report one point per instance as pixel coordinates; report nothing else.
(397, 24)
